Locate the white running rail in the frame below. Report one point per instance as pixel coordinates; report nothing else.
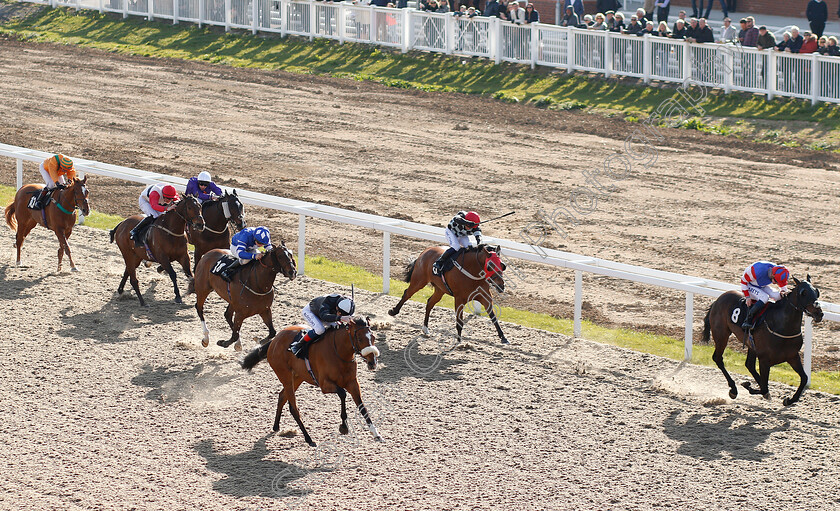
(811, 77)
(512, 249)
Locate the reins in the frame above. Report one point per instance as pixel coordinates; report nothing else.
(464, 270)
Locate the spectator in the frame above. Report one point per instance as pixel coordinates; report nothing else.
(599, 23)
(743, 31)
(531, 14)
(784, 43)
(515, 14)
(610, 20)
(731, 5)
(751, 36)
(607, 5)
(443, 6)
(695, 13)
(691, 30)
(663, 9)
(491, 10)
(662, 30)
(722, 8)
(679, 31)
(796, 40)
(379, 3)
(727, 31)
(817, 13)
(680, 16)
(641, 14)
(822, 48)
(472, 12)
(703, 34)
(587, 21)
(648, 8)
(766, 39)
(570, 19)
(503, 10)
(809, 43)
(634, 27)
(647, 30)
(833, 48)
(462, 11)
(619, 26)
(577, 5)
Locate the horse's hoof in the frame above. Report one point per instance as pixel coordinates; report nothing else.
(223, 344)
(276, 427)
(312, 444)
(205, 342)
(505, 341)
(74, 269)
(343, 429)
(378, 439)
(178, 299)
(237, 346)
(766, 396)
(393, 312)
(425, 331)
(733, 394)
(747, 385)
(148, 264)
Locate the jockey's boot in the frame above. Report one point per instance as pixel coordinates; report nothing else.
(41, 199)
(227, 273)
(437, 268)
(297, 346)
(749, 321)
(139, 228)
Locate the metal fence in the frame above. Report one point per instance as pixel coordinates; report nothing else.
(730, 67)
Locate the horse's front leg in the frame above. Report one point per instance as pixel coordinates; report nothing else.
(487, 302)
(266, 317)
(67, 249)
(342, 394)
(796, 363)
(355, 391)
(750, 365)
(62, 243)
(166, 264)
(764, 373)
(238, 318)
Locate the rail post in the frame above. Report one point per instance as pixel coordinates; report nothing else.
(227, 15)
(255, 16)
(301, 244)
(815, 92)
(176, 11)
(578, 301)
(386, 262)
(689, 324)
(19, 173)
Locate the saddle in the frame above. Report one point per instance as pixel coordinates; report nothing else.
(739, 312)
(304, 346)
(449, 262)
(33, 200)
(223, 269)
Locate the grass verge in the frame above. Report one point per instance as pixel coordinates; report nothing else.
(425, 71)
(345, 274)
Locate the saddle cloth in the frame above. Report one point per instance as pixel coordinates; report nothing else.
(222, 264)
(739, 313)
(33, 200)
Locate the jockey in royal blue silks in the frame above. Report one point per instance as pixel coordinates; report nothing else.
(202, 187)
(245, 247)
(755, 284)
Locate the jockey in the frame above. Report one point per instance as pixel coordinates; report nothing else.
(155, 200)
(202, 187)
(56, 170)
(755, 284)
(323, 312)
(245, 246)
(457, 234)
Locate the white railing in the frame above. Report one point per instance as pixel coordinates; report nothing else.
(812, 76)
(512, 249)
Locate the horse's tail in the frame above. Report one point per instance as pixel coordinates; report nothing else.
(113, 231)
(11, 221)
(707, 326)
(256, 355)
(409, 270)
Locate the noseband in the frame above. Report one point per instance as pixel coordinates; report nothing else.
(352, 344)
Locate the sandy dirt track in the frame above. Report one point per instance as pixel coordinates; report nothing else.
(109, 406)
(707, 207)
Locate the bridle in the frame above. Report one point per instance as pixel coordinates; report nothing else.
(353, 341)
(225, 204)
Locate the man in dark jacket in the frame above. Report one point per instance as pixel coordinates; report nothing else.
(796, 41)
(766, 39)
(492, 9)
(704, 33)
(570, 19)
(817, 13)
(603, 6)
(679, 31)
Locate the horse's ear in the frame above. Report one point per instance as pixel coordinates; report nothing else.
(795, 280)
(498, 249)
(808, 277)
(84, 180)
(234, 191)
(367, 321)
(282, 242)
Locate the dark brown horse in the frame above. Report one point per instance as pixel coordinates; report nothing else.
(218, 214)
(59, 214)
(778, 339)
(250, 292)
(166, 242)
(333, 362)
(475, 271)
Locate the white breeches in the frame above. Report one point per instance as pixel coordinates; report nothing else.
(763, 294)
(457, 242)
(235, 250)
(48, 179)
(146, 207)
(314, 321)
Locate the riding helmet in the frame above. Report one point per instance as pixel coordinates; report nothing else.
(262, 236)
(472, 216)
(204, 177)
(64, 163)
(780, 274)
(347, 306)
(169, 192)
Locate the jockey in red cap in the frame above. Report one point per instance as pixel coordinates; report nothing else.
(154, 201)
(755, 284)
(457, 234)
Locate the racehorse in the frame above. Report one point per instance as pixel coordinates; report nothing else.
(250, 292)
(476, 270)
(778, 339)
(59, 215)
(165, 242)
(333, 362)
(218, 214)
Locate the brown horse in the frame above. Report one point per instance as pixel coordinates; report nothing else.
(59, 215)
(333, 364)
(778, 339)
(476, 270)
(166, 243)
(250, 292)
(218, 214)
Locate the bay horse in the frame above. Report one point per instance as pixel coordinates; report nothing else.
(166, 243)
(219, 214)
(333, 362)
(778, 339)
(476, 270)
(59, 215)
(250, 292)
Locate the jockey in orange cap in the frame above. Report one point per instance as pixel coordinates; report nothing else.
(56, 170)
(155, 200)
(457, 235)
